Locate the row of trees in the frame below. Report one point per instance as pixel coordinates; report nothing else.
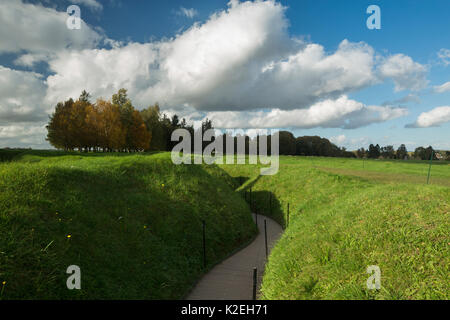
(115, 125)
(310, 146)
(108, 125)
(388, 152)
(425, 153)
(317, 146)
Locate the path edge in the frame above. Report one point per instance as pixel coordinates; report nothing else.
(241, 247)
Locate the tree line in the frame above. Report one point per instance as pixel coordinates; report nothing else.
(116, 125)
(388, 152)
(317, 146)
(111, 125)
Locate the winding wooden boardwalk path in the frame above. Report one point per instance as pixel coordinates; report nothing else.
(232, 279)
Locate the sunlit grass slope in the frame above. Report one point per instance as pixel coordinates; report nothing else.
(131, 223)
(341, 223)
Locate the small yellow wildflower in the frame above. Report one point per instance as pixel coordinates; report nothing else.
(145, 227)
(162, 185)
(4, 282)
(69, 236)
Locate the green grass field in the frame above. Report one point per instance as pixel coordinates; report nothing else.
(135, 225)
(344, 217)
(134, 221)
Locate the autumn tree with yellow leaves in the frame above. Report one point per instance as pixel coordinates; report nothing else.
(105, 125)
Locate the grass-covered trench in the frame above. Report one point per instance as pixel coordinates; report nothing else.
(345, 215)
(132, 223)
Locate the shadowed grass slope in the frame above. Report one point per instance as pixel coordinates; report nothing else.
(133, 224)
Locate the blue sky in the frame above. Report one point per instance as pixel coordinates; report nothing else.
(402, 90)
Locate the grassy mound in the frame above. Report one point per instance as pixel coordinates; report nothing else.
(133, 224)
(341, 223)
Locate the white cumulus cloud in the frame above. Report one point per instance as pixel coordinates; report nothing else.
(432, 118)
(23, 135)
(240, 59)
(101, 72)
(21, 96)
(405, 73)
(338, 140)
(35, 28)
(339, 113)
